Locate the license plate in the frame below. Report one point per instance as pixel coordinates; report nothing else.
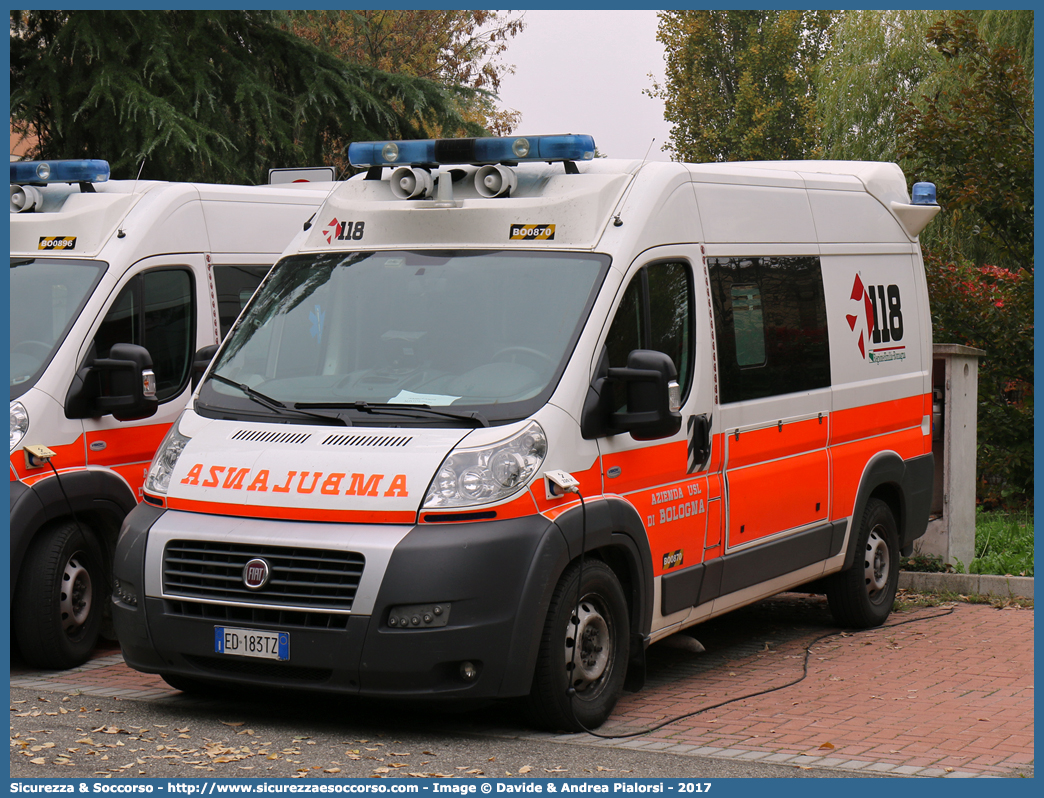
(252, 643)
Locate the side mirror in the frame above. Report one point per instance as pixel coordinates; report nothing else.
(653, 398)
(201, 361)
(122, 384)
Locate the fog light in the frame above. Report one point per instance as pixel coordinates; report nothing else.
(468, 671)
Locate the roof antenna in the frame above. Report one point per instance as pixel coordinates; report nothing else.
(140, 170)
(617, 221)
(121, 233)
(308, 224)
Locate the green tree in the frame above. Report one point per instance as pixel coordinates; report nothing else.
(739, 84)
(876, 61)
(882, 61)
(452, 47)
(991, 309)
(879, 60)
(973, 137)
(215, 96)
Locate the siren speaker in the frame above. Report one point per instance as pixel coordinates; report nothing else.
(24, 198)
(410, 183)
(495, 181)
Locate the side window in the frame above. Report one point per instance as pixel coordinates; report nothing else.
(656, 313)
(155, 310)
(234, 286)
(770, 323)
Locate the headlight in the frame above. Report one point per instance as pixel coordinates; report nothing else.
(490, 473)
(19, 423)
(158, 480)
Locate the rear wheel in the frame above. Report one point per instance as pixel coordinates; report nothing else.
(58, 607)
(862, 596)
(583, 652)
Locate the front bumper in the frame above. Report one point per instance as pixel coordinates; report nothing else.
(496, 576)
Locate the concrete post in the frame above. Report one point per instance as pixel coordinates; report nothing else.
(955, 390)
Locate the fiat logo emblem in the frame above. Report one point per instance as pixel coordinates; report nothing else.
(256, 574)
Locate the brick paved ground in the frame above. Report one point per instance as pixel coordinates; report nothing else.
(946, 696)
(949, 695)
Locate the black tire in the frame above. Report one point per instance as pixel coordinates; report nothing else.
(558, 700)
(862, 596)
(60, 600)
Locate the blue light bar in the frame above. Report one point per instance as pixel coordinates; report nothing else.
(509, 149)
(923, 194)
(81, 171)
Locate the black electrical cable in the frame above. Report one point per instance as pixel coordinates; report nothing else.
(701, 710)
(575, 620)
(61, 487)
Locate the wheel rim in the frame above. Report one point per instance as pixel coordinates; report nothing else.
(75, 600)
(593, 656)
(876, 565)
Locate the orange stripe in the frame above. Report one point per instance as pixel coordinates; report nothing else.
(128, 444)
(877, 419)
(516, 508)
(850, 460)
(771, 443)
(649, 465)
(295, 513)
(783, 494)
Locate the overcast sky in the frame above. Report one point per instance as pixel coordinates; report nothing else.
(584, 72)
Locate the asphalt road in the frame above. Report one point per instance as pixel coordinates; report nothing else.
(54, 734)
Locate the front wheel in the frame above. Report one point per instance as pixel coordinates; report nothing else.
(583, 651)
(862, 596)
(58, 607)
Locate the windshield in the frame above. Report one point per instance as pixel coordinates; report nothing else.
(362, 337)
(47, 295)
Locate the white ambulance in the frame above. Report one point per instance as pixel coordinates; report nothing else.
(114, 287)
(507, 414)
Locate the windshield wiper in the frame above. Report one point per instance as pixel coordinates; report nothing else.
(394, 409)
(275, 404)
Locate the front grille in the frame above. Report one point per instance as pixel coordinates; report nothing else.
(238, 614)
(263, 670)
(302, 578)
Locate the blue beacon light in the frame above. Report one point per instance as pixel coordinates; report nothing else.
(923, 194)
(507, 149)
(74, 171)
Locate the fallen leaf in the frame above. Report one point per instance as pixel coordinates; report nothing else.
(827, 747)
(332, 770)
(231, 723)
(524, 769)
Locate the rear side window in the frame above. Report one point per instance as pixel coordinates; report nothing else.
(770, 322)
(235, 285)
(155, 310)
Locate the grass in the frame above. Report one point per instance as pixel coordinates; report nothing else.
(1003, 547)
(1003, 543)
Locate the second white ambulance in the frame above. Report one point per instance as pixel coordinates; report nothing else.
(115, 286)
(507, 414)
